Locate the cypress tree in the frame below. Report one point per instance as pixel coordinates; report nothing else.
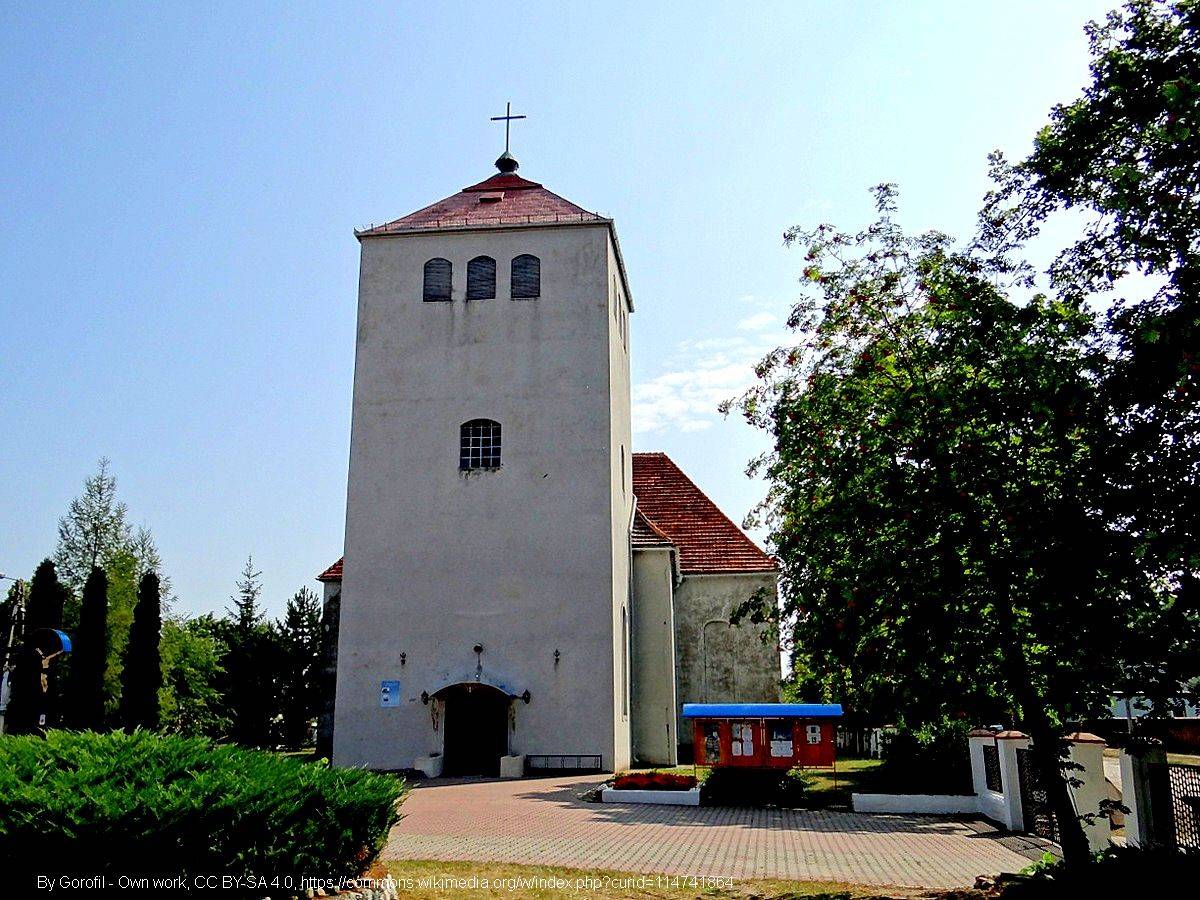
(141, 676)
(86, 702)
(47, 597)
(44, 607)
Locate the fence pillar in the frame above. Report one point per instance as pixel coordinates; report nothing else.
(976, 741)
(1013, 811)
(1138, 769)
(1087, 751)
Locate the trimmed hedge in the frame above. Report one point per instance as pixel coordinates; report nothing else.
(149, 804)
(756, 787)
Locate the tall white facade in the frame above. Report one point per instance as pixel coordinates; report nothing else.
(488, 606)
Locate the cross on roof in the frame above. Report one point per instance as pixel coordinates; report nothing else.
(507, 119)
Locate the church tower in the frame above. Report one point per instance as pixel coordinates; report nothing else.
(485, 605)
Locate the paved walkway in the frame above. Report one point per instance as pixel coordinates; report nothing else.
(542, 822)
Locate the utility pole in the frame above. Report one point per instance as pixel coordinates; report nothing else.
(12, 626)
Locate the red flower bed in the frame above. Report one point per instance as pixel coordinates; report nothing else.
(654, 781)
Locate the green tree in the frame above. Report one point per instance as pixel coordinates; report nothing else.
(93, 528)
(931, 492)
(142, 675)
(124, 573)
(47, 598)
(299, 639)
(95, 532)
(44, 608)
(1125, 159)
(85, 703)
(192, 699)
(251, 664)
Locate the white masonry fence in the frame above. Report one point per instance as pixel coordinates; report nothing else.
(1005, 789)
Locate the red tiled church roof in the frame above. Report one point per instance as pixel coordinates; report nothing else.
(504, 199)
(333, 573)
(708, 541)
(672, 511)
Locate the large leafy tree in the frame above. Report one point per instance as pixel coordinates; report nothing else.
(192, 700)
(1125, 159)
(930, 489)
(142, 676)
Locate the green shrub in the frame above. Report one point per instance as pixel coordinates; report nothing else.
(1114, 872)
(146, 804)
(932, 759)
(755, 787)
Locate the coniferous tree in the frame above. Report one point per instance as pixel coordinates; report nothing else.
(142, 677)
(249, 663)
(44, 607)
(246, 613)
(47, 597)
(93, 528)
(90, 652)
(300, 645)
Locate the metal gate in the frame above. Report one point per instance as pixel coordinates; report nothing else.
(1183, 819)
(1035, 800)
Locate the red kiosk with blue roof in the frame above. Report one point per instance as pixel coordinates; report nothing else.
(764, 735)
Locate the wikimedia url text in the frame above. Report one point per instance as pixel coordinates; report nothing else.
(159, 883)
(301, 883)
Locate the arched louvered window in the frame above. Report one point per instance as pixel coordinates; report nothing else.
(479, 445)
(526, 277)
(481, 278)
(437, 280)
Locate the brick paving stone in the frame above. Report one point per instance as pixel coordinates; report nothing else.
(542, 822)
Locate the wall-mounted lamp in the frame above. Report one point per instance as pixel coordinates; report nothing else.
(403, 658)
(425, 697)
(478, 648)
(526, 697)
(557, 656)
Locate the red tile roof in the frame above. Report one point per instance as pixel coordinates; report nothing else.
(647, 534)
(333, 573)
(672, 511)
(708, 541)
(503, 199)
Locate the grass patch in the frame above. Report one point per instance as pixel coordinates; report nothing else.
(417, 880)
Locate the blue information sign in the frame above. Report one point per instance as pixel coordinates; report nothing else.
(389, 693)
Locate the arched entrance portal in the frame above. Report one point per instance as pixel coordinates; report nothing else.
(475, 719)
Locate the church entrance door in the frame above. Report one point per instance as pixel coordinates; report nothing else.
(476, 723)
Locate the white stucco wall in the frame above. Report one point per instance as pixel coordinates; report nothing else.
(655, 737)
(525, 560)
(621, 490)
(721, 663)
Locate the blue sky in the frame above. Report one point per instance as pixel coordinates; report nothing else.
(179, 184)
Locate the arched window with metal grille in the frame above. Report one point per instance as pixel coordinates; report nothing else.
(481, 278)
(438, 274)
(479, 445)
(526, 277)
